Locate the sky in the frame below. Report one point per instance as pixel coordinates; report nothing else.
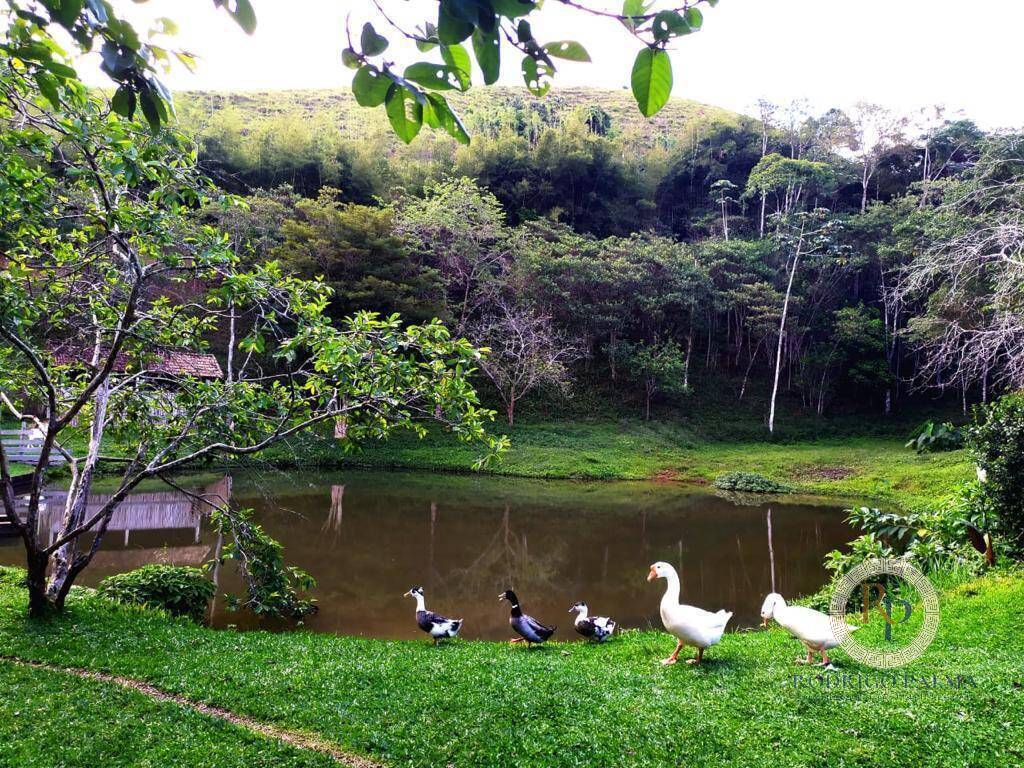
(904, 54)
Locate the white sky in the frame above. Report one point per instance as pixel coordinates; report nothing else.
(904, 54)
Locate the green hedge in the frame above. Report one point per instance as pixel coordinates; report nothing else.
(748, 482)
(179, 591)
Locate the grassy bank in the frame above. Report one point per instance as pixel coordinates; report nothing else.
(476, 703)
(877, 469)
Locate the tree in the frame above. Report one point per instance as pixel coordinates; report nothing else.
(658, 367)
(799, 236)
(523, 351)
(105, 277)
(410, 99)
(354, 249)
(722, 192)
(458, 229)
(873, 131)
(791, 181)
(967, 280)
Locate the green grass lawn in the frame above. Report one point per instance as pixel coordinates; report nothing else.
(52, 718)
(489, 704)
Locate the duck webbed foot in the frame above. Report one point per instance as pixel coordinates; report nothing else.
(675, 654)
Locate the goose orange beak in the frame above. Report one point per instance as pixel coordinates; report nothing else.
(764, 622)
(652, 575)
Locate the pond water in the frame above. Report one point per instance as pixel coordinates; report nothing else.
(367, 537)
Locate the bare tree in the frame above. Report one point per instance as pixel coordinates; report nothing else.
(525, 352)
(969, 281)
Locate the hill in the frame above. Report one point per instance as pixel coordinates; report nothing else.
(485, 111)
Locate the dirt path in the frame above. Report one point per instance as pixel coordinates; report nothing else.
(295, 738)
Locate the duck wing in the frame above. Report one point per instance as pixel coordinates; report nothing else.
(808, 625)
(586, 627)
(531, 629)
(436, 624)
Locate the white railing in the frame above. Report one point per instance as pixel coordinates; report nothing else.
(24, 445)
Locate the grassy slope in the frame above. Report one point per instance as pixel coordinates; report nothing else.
(876, 469)
(473, 704)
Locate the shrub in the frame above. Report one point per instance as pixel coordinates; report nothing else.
(996, 442)
(934, 438)
(748, 482)
(179, 591)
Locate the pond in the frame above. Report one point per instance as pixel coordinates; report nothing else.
(367, 537)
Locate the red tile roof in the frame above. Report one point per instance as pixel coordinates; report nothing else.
(177, 362)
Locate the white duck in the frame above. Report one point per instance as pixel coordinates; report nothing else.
(812, 628)
(691, 626)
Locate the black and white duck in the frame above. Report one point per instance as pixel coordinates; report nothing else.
(528, 628)
(598, 628)
(437, 626)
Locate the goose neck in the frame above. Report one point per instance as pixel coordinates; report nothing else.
(672, 589)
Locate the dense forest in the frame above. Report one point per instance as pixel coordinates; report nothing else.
(819, 257)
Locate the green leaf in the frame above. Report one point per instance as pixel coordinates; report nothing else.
(441, 115)
(694, 18)
(372, 43)
(451, 29)
(48, 87)
(634, 9)
(537, 76)
(350, 59)
(456, 57)
(668, 24)
(244, 15)
(150, 109)
(428, 38)
(488, 55)
(567, 49)
(437, 77)
(404, 112)
(512, 9)
(370, 86)
(651, 80)
(69, 12)
(123, 102)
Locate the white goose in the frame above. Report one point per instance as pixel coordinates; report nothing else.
(691, 626)
(812, 628)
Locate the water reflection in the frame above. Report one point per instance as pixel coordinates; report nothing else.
(367, 537)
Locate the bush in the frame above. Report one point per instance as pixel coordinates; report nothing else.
(748, 482)
(996, 442)
(934, 438)
(179, 591)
